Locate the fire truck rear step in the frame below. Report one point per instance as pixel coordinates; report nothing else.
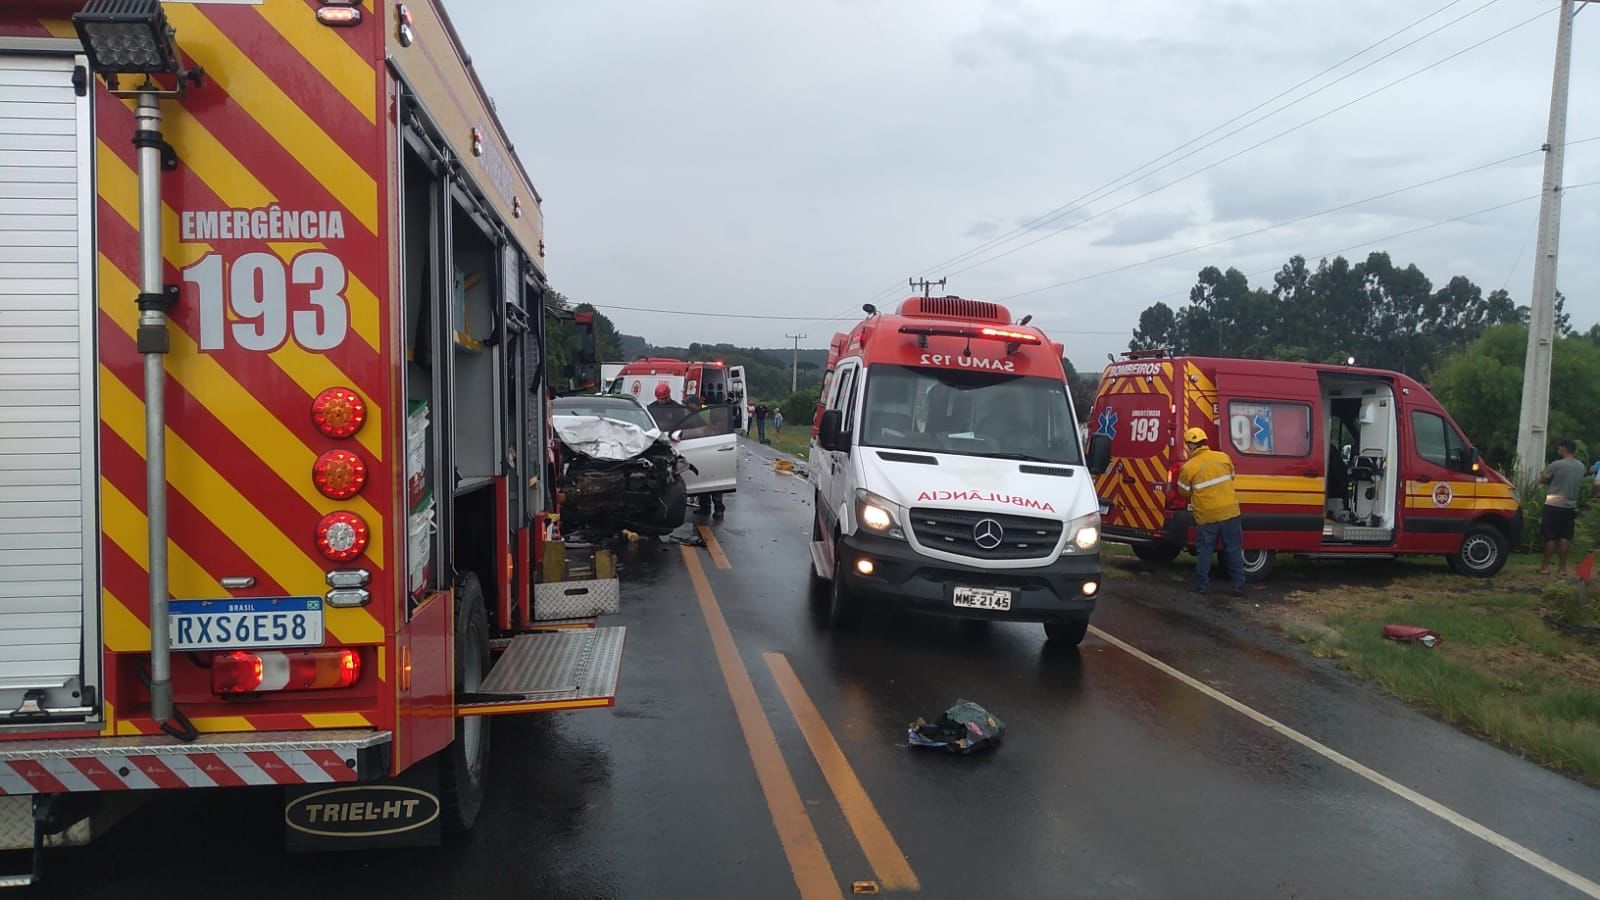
(573, 669)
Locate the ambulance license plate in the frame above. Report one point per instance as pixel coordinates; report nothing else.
(983, 598)
(246, 622)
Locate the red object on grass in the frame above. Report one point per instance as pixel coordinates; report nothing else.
(1585, 569)
(1411, 634)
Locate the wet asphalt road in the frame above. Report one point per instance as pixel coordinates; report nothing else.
(1115, 779)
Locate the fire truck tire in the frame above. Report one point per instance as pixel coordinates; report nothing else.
(1066, 634)
(845, 607)
(1258, 564)
(1483, 552)
(1157, 552)
(464, 765)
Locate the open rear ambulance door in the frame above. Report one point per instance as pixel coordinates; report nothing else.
(1273, 429)
(49, 527)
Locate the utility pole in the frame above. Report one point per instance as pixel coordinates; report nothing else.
(925, 284)
(1533, 426)
(794, 363)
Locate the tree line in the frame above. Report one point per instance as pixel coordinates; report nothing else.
(1468, 346)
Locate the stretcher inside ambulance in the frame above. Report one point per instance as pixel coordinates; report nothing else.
(949, 474)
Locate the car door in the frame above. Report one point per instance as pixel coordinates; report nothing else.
(707, 440)
(1272, 428)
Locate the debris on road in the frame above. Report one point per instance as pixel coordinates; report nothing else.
(788, 467)
(864, 887)
(1412, 634)
(689, 538)
(964, 728)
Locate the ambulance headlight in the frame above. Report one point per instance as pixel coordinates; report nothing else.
(1084, 534)
(879, 515)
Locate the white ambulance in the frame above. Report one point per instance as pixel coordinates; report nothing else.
(949, 472)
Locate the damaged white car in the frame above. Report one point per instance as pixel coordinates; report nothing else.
(624, 472)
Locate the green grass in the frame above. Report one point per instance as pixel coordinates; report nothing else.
(1501, 671)
(794, 441)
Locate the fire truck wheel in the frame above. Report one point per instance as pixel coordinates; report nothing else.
(844, 607)
(1483, 552)
(1066, 634)
(1157, 552)
(464, 765)
(1258, 564)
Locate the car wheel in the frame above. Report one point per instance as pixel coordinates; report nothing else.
(464, 765)
(1066, 634)
(844, 605)
(1258, 564)
(1157, 552)
(1483, 552)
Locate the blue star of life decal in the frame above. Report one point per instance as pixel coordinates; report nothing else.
(1263, 431)
(1108, 423)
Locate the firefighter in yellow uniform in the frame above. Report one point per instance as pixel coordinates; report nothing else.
(1207, 480)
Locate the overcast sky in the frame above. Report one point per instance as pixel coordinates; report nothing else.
(798, 159)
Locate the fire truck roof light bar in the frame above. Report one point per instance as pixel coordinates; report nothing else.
(1012, 339)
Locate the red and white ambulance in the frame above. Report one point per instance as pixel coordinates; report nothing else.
(949, 473)
(1331, 461)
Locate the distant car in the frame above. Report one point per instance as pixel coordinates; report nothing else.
(705, 438)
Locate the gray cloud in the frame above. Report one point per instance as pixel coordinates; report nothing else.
(717, 155)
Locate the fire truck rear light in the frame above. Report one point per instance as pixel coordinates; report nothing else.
(339, 474)
(342, 536)
(348, 598)
(338, 412)
(339, 16)
(260, 671)
(349, 578)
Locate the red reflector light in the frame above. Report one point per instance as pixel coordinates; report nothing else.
(339, 16)
(339, 474)
(259, 671)
(338, 412)
(342, 536)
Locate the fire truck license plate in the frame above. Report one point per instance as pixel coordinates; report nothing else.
(983, 598)
(246, 622)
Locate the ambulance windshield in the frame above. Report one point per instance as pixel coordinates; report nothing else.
(972, 413)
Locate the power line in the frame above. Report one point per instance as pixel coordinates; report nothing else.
(1235, 155)
(1283, 224)
(1139, 171)
(759, 316)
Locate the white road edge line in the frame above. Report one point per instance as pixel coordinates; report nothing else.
(1549, 867)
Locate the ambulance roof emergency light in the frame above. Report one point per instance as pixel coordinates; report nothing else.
(127, 36)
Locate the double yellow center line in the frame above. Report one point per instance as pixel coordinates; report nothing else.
(813, 873)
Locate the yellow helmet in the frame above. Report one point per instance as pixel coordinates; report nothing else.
(1194, 436)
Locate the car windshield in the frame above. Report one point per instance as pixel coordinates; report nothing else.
(621, 410)
(972, 413)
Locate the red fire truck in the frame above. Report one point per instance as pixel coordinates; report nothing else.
(276, 504)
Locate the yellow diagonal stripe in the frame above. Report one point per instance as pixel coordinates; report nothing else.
(240, 412)
(265, 102)
(126, 527)
(325, 50)
(221, 724)
(124, 633)
(313, 372)
(216, 498)
(338, 720)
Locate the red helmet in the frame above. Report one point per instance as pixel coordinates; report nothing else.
(662, 391)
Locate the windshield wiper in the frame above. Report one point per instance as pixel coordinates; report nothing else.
(1027, 457)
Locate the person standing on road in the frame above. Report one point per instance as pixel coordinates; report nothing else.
(1207, 480)
(761, 422)
(777, 422)
(1565, 477)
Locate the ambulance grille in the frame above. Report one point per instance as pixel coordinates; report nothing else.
(953, 531)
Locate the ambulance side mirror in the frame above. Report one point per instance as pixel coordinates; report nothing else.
(1099, 454)
(830, 433)
(1472, 461)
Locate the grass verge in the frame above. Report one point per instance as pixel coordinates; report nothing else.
(1501, 671)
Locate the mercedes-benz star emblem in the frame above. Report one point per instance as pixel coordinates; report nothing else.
(988, 534)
